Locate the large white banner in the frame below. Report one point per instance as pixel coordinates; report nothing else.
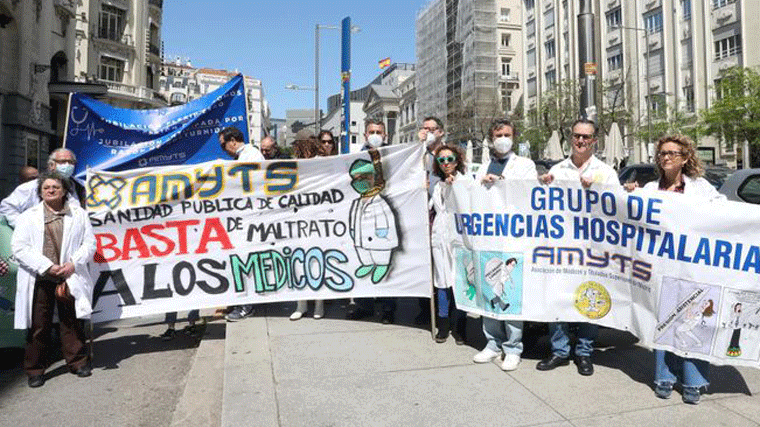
(227, 233)
(680, 274)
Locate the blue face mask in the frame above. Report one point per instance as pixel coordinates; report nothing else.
(65, 169)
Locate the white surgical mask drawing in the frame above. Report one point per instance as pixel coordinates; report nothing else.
(502, 144)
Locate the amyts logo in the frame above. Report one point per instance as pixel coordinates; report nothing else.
(105, 191)
(592, 300)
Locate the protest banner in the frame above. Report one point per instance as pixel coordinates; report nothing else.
(104, 137)
(680, 274)
(227, 233)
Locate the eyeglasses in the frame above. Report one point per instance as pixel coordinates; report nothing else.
(67, 161)
(582, 136)
(430, 128)
(444, 160)
(671, 154)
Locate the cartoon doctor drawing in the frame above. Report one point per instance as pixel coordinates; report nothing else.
(498, 275)
(694, 317)
(372, 223)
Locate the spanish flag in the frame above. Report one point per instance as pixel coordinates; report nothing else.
(384, 63)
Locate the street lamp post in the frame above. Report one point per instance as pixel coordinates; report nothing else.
(646, 78)
(317, 27)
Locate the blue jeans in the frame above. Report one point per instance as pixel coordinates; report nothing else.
(503, 335)
(560, 338)
(192, 316)
(693, 372)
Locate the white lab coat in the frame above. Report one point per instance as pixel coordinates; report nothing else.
(77, 247)
(441, 232)
(696, 187)
(372, 224)
(594, 169)
(249, 153)
(24, 197)
(516, 168)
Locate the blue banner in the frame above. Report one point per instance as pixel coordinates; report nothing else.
(107, 138)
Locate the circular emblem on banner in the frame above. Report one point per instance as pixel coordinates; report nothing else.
(592, 300)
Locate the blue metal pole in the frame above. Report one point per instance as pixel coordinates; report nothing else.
(345, 75)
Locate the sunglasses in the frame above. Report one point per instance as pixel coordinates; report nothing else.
(445, 160)
(327, 141)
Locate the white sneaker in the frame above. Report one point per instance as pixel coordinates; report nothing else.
(510, 362)
(296, 315)
(486, 355)
(319, 309)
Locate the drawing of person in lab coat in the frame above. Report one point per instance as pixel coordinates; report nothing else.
(372, 223)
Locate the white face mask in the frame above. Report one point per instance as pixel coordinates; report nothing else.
(375, 140)
(65, 169)
(430, 138)
(502, 144)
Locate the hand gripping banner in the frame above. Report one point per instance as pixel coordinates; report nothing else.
(116, 139)
(680, 274)
(226, 233)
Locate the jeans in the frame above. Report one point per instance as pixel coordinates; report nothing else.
(693, 372)
(560, 338)
(192, 316)
(503, 335)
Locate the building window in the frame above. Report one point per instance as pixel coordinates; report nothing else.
(656, 63)
(506, 67)
(720, 3)
(505, 39)
(506, 99)
(530, 28)
(653, 21)
(111, 22)
(531, 87)
(529, 4)
(688, 96)
(531, 58)
(657, 104)
(549, 19)
(615, 62)
(686, 53)
(111, 69)
(686, 9)
(504, 16)
(550, 50)
(613, 19)
(729, 46)
(551, 79)
(177, 98)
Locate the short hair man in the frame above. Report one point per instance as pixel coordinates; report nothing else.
(374, 133)
(233, 143)
(25, 196)
(269, 148)
(431, 132)
(27, 173)
(584, 166)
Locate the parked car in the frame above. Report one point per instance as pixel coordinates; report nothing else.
(643, 173)
(742, 186)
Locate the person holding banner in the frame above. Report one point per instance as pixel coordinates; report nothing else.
(448, 166)
(306, 146)
(680, 171)
(26, 195)
(583, 165)
(503, 335)
(53, 243)
(233, 143)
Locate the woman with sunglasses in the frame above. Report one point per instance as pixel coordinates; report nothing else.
(448, 166)
(327, 145)
(680, 171)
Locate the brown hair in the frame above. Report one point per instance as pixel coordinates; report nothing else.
(306, 148)
(334, 151)
(709, 310)
(44, 176)
(437, 171)
(692, 166)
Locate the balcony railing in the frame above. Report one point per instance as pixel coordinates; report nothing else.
(154, 49)
(725, 53)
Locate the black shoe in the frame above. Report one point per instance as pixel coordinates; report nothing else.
(443, 329)
(168, 335)
(359, 313)
(239, 313)
(84, 371)
(36, 381)
(552, 362)
(459, 333)
(585, 367)
(387, 318)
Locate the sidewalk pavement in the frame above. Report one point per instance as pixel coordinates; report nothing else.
(333, 372)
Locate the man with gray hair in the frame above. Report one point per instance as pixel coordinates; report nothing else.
(25, 196)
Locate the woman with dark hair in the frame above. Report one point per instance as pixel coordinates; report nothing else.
(448, 165)
(328, 145)
(680, 171)
(306, 147)
(53, 243)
